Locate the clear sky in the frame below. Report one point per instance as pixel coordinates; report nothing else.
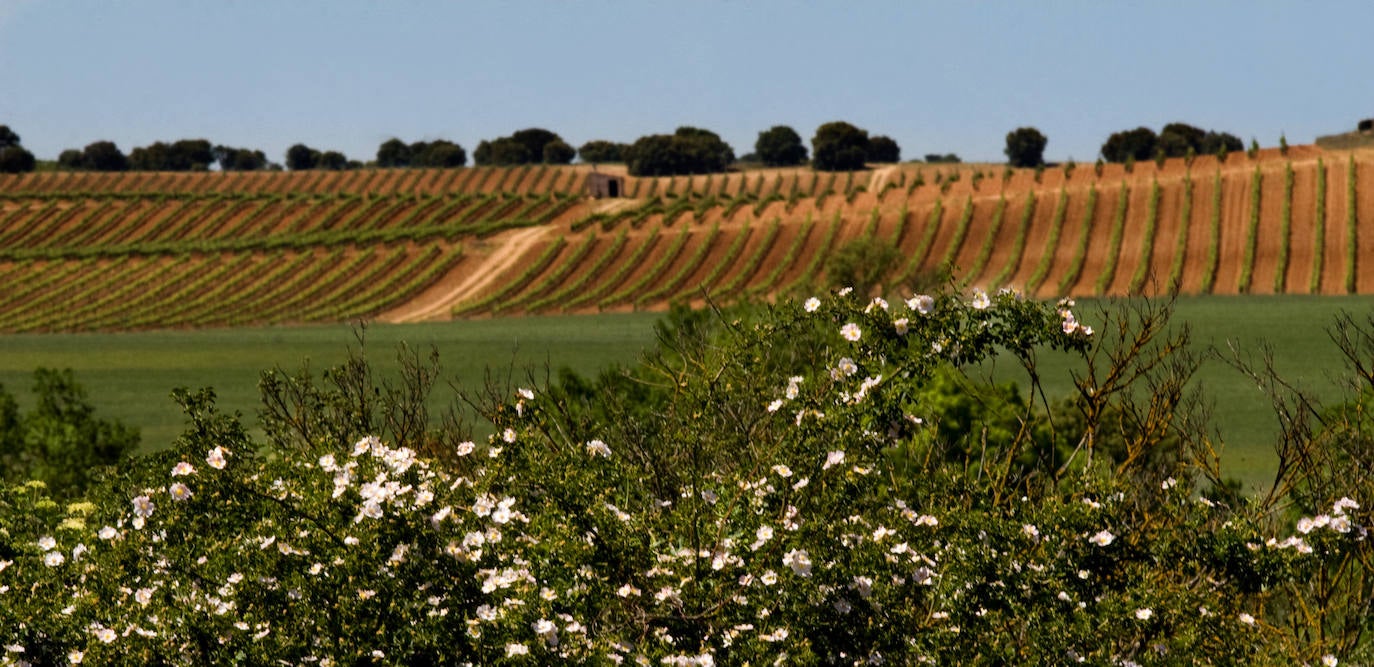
(939, 77)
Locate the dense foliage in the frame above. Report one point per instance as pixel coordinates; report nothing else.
(600, 151)
(688, 150)
(96, 156)
(180, 155)
(839, 146)
(780, 146)
(14, 158)
(523, 147)
(438, 153)
(882, 148)
(816, 483)
(1175, 140)
(60, 441)
(1025, 147)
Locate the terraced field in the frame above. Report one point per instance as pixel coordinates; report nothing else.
(86, 251)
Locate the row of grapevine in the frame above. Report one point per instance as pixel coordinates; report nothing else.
(1104, 279)
(1018, 247)
(1247, 267)
(1042, 268)
(104, 227)
(215, 289)
(1185, 220)
(1314, 283)
(1147, 242)
(1285, 230)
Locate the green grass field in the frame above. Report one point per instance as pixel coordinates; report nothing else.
(1243, 417)
(130, 375)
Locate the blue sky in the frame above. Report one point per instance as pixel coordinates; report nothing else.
(938, 77)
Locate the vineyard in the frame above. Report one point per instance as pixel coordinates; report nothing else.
(91, 251)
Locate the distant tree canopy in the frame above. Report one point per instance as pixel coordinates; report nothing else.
(181, 155)
(393, 153)
(240, 159)
(883, 149)
(1137, 144)
(780, 146)
(523, 147)
(558, 152)
(689, 150)
(438, 153)
(14, 158)
(839, 146)
(332, 160)
(1173, 141)
(96, 156)
(300, 157)
(600, 151)
(1026, 147)
(947, 158)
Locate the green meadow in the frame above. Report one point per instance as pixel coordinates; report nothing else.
(130, 375)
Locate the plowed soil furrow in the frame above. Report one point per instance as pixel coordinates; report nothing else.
(1036, 237)
(1063, 252)
(1132, 239)
(1333, 268)
(1270, 237)
(1235, 219)
(1168, 226)
(1302, 242)
(1099, 239)
(1199, 235)
(979, 233)
(587, 261)
(1364, 190)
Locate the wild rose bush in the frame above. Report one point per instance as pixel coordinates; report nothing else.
(782, 501)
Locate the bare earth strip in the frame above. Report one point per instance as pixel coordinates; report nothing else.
(437, 302)
(1199, 235)
(1302, 245)
(1235, 219)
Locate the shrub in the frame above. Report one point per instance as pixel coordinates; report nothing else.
(818, 483)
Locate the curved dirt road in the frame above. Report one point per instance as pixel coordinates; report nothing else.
(435, 306)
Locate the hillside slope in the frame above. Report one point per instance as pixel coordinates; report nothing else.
(88, 251)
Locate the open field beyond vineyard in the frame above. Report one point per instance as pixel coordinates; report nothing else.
(139, 251)
(130, 375)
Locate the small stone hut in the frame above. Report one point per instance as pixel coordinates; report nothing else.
(605, 185)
